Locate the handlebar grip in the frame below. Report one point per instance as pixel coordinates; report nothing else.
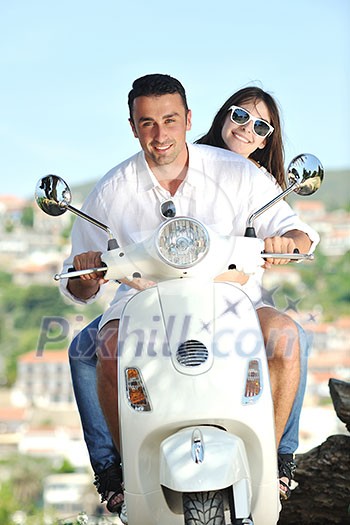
(295, 251)
(72, 269)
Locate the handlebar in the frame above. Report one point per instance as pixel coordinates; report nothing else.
(291, 256)
(73, 274)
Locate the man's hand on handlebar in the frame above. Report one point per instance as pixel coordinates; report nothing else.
(86, 286)
(87, 260)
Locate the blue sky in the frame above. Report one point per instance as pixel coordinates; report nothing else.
(67, 68)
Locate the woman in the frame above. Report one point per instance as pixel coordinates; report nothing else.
(248, 123)
(232, 129)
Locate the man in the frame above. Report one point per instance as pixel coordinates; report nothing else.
(128, 199)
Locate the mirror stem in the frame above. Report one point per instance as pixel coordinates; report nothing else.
(112, 242)
(250, 228)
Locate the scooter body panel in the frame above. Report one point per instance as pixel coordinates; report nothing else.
(222, 319)
(222, 463)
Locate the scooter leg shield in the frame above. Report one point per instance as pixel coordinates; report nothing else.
(205, 458)
(161, 330)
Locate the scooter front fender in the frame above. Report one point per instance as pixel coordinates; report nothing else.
(206, 458)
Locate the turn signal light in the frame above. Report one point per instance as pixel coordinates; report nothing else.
(253, 384)
(136, 390)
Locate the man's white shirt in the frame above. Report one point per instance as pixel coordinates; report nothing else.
(221, 189)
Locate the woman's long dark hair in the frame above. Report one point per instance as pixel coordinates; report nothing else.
(271, 156)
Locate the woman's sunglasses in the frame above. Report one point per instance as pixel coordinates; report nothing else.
(168, 209)
(241, 116)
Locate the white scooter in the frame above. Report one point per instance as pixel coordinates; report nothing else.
(195, 407)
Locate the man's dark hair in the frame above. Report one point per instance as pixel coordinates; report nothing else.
(155, 85)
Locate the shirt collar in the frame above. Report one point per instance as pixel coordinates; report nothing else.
(147, 181)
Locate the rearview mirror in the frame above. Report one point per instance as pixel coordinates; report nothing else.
(305, 172)
(52, 195)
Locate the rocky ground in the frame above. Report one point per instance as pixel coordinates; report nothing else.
(322, 496)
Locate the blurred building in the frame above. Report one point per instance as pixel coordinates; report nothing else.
(13, 422)
(43, 379)
(68, 494)
(333, 227)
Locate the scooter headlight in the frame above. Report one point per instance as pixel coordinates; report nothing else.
(182, 242)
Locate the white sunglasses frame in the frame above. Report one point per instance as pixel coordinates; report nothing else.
(254, 119)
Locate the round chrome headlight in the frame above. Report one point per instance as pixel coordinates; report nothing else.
(182, 242)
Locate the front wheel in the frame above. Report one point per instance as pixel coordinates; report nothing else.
(204, 508)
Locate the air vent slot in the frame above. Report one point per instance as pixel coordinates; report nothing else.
(192, 353)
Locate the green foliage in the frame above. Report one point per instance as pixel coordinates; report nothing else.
(30, 304)
(9, 226)
(22, 490)
(328, 283)
(325, 284)
(65, 468)
(5, 278)
(23, 310)
(27, 217)
(66, 232)
(8, 502)
(334, 192)
(14, 343)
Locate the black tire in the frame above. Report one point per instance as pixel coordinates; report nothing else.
(204, 508)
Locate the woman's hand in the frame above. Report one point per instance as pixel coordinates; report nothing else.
(138, 283)
(278, 245)
(233, 276)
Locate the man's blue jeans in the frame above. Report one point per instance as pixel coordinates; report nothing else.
(102, 452)
(82, 360)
